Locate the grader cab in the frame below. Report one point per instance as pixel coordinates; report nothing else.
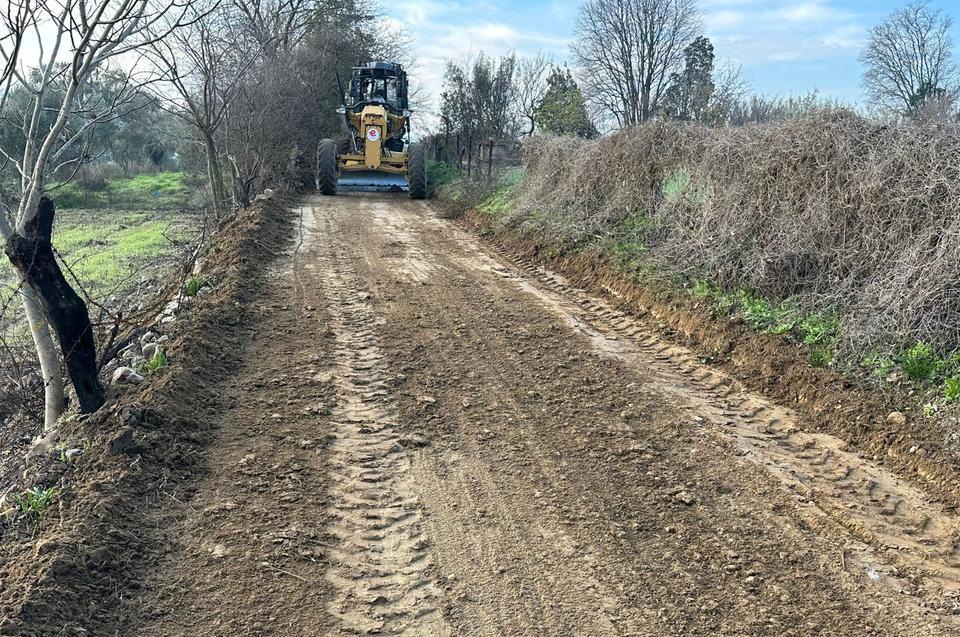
(379, 155)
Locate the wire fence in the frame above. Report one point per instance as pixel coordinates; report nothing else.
(475, 159)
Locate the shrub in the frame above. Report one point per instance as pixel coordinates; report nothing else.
(849, 218)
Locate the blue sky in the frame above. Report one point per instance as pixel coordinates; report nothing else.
(784, 47)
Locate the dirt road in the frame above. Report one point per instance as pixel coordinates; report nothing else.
(428, 438)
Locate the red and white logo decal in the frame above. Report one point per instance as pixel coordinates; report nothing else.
(373, 134)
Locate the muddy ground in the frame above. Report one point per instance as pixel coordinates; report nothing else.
(417, 433)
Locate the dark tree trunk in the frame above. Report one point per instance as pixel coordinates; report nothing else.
(32, 255)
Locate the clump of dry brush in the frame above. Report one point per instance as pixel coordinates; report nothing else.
(833, 211)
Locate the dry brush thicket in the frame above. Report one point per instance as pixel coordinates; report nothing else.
(833, 211)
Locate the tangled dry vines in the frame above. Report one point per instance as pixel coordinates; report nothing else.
(831, 210)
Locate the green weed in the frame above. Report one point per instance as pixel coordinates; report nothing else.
(764, 316)
(951, 389)
(701, 289)
(629, 255)
(499, 203)
(879, 366)
(159, 361)
(675, 185)
(440, 173)
(822, 356)
(194, 285)
(35, 502)
(920, 362)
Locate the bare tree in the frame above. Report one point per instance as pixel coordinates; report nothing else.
(276, 26)
(531, 80)
(74, 39)
(478, 102)
(908, 59)
(627, 50)
(729, 91)
(203, 66)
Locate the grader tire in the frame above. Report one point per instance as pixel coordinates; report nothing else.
(327, 167)
(417, 172)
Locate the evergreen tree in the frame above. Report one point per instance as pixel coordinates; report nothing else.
(563, 110)
(688, 97)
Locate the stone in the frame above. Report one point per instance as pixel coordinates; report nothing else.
(150, 350)
(149, 337)
(42, 446)
(897, 418)
(121, 442)
(126, 375)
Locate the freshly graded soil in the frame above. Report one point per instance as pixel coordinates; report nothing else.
(415, 432)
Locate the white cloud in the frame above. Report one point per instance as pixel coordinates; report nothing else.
(454, 31)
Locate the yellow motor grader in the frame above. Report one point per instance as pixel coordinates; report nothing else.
(378, 155)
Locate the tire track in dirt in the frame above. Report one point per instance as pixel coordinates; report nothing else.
(380, 565)
(520, 569)
(903, 528)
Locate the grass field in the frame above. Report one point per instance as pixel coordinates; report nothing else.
(113, 254)
(111, 250)
(162, 191)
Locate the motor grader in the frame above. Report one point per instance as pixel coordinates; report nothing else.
(378, 154)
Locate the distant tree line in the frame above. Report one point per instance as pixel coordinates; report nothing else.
(640, 59)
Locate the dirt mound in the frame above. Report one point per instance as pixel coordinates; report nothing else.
(65, 575)
(919, 449)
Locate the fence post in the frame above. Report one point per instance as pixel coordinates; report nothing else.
(490, 161)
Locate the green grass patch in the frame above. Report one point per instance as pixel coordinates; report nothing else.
(629, 256)
(106, 255)
(765, 316)
(440, 173)
(819, 331)
(675, 185)
(161, 191)
(158, 362)
(919, 362)
(499, 203)
(195, 284)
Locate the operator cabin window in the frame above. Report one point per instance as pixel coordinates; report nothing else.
(392, 94)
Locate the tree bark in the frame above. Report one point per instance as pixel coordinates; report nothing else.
(48, 355)
(215, 175)
(32, 254)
